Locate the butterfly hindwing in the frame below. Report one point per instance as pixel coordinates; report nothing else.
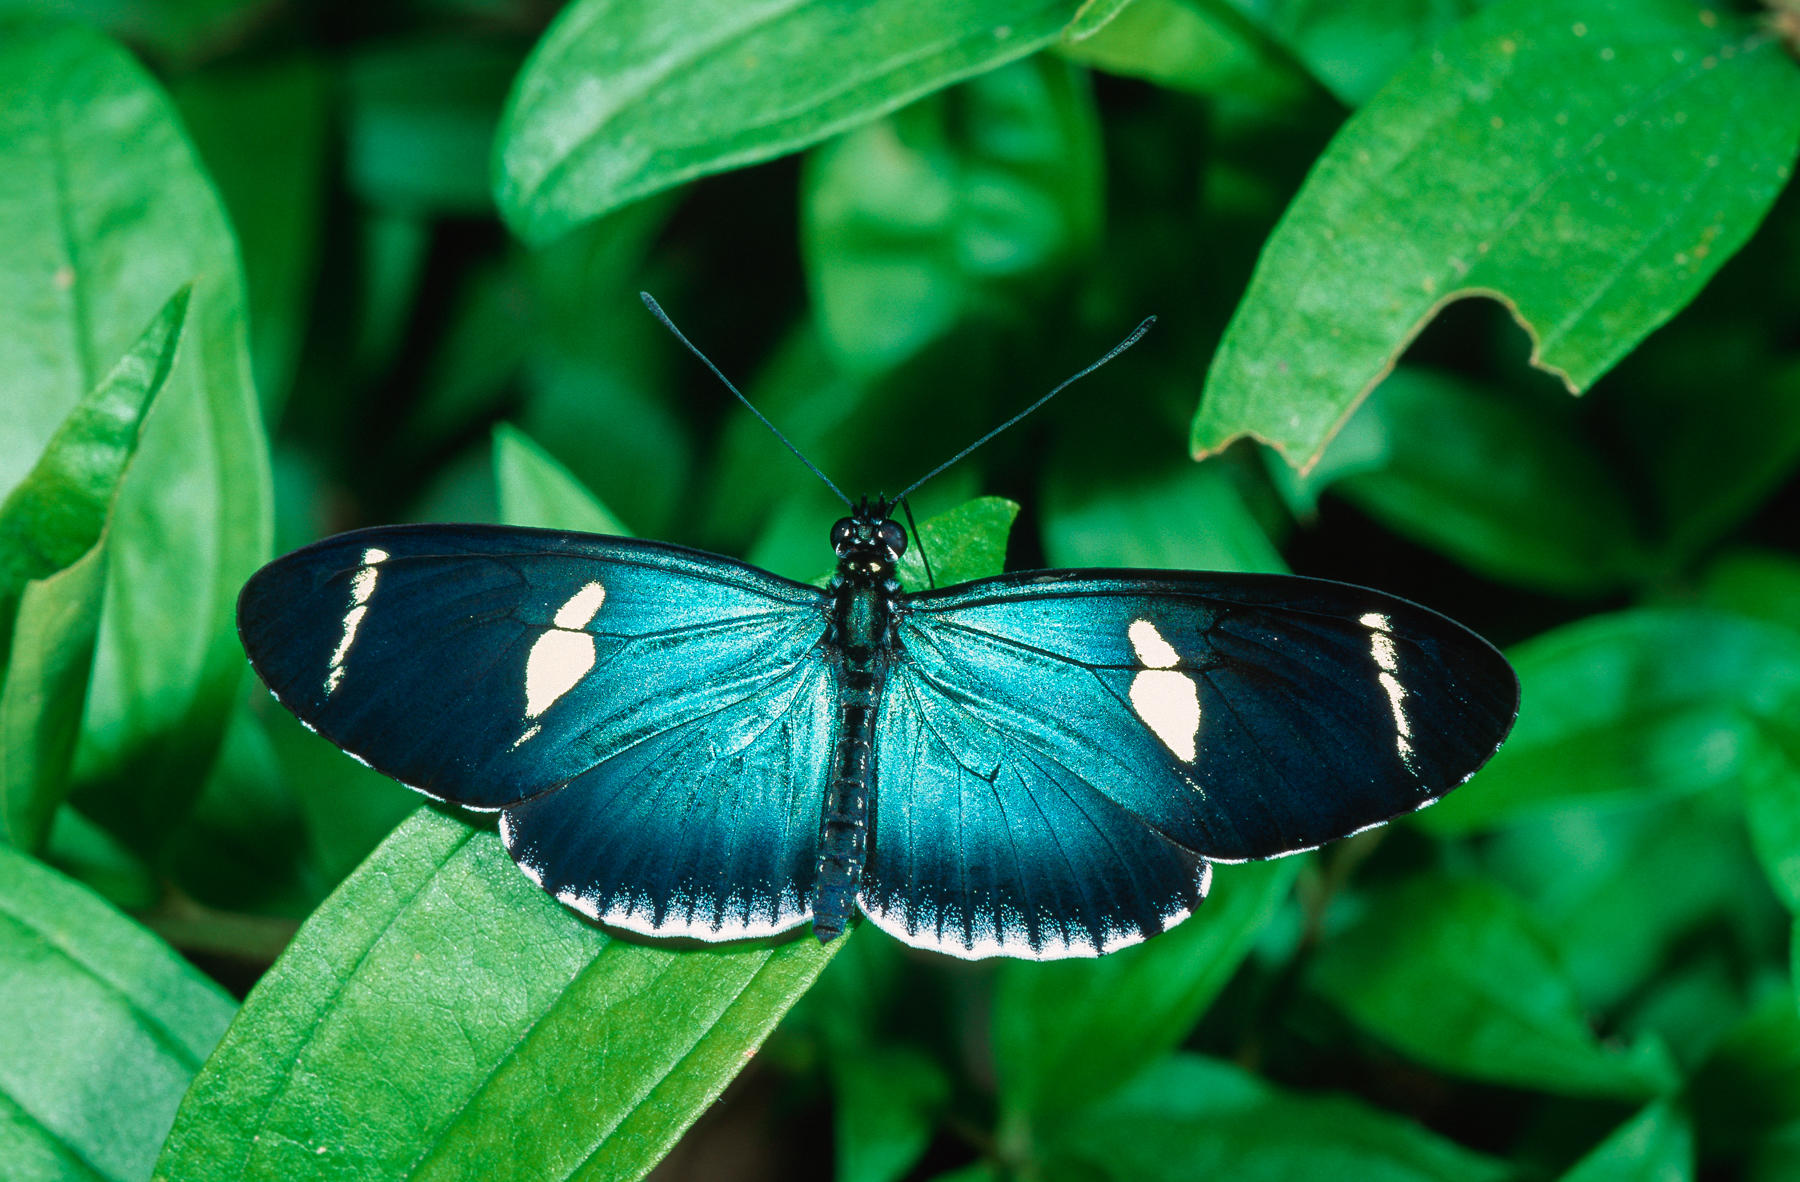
(649, 717)
(1239, 716)
(987, 845)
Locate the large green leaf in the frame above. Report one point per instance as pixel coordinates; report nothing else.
(966, 203)
(1631, 706)
(103, 212)
(1189, 1117)
(1180, 516)
(1454, 974)
(103, 1028)
(441, 1017)
(1591, 163)
(620, 99)
(52, 575)
(1068, 1032)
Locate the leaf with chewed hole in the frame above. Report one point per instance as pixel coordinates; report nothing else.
(1590, 163)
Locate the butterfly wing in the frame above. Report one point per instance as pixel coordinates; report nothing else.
(1045, 730)
(653, 721)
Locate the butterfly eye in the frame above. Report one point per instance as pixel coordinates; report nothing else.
(893, 537)
(842, 534)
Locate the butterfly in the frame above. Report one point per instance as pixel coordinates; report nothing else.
(1042, 764)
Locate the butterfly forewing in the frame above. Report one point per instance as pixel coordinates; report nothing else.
(648, 715)
(1239, 716)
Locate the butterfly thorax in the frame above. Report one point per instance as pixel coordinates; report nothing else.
(865, 598)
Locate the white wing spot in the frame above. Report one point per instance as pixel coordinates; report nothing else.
(561, 656)
(1387, 661)
(1167, 701)
(1151, 648)
(582, 607)
(1169, 704)
(362, 585)
(558, 660)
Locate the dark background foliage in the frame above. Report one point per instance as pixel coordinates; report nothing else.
(271, 270)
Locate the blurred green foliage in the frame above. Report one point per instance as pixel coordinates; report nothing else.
(272, 270)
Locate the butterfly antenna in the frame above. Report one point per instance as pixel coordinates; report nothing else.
(930, 579)
(656, 311)
(1111, 353)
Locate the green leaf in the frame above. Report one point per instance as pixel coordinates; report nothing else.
(103, 1028)
(1182, 516)
(1631, 706)
(1068, 1032)
(263, 131)
(600, 371)
(420, 120)
(1092, 16)
(1190, 1117)
(441, 1017)
(1454, 974)
(1656, 1145)
(537, 490)
(1200, 46)
(1761, 584)
(1586, 871)
(108, 212)
(1500, 483)
(968, 542)
(620, 100)
(1750, 1084)
(888, 1102)
(1353, 49)
(52, 577)
(1590, 163)
(969, 203)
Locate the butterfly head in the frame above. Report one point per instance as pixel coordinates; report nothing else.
(868, 542)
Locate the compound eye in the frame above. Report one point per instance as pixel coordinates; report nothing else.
(893, 537)
(842, 533)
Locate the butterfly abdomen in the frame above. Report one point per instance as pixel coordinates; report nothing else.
(861, 629)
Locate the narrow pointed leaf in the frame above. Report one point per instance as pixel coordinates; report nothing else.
(104, 210)
(1656, 1145)
(52, 575)
(535, 489)
(1590, 164)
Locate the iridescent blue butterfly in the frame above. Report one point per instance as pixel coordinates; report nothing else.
(1042, 764)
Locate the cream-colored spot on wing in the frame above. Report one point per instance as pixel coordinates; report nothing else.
(1387, 664)
(581, 608)
(1151, 648)
(1169, 704)
(562, 656)
(362, 585)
